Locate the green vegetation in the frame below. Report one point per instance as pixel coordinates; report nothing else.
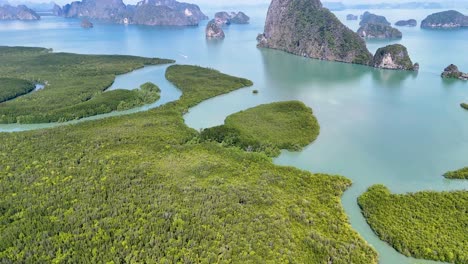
(11, 88)
(369, 18)
(141, 188)
(318, 28)
(445, 19)
(427, 225)
(268, 128)
(72, 81)
(464, 105)
(459, 174)
(399, 55)
(109, 101)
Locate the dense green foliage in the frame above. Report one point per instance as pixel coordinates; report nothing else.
(398, 53)
(109, 101)
(427, 225)
(464, 105)
(369, 18)
(445, 19)
(268, 128)
(70, 79)
(139, 188)
(319, 26)
(11, 88)
(458, 174)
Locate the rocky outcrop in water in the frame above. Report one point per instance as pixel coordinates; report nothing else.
(147, 12)
(110, 10)
(394, 57)
(223, 18)
(351, 17)
(214, 30)
(407, 23)
(377, 27)
(226, 18)
(379, 31)
(166, 13)
(452, 72)
(305, 28)
(240, 18)
(369, 18)
(85, 23)
(446, 19)
(21, 12)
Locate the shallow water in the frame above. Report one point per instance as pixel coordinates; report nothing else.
(400, 129)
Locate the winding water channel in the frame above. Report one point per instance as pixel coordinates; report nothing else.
(399, 129)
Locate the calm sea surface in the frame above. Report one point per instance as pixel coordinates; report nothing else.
(403, 130)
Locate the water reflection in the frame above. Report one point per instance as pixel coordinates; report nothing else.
(295, 69)
(391, 78)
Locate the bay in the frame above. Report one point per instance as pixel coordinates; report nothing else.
(396, 128)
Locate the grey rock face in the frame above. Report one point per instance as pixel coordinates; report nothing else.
(147, 12)
(394, 57)
(223, 17)
(240, 18)
(305, 28)
(379, 31)
(226, 18)
(110, 10)
(57, 10)
(446, 19)
(21, 12)
(214, 30)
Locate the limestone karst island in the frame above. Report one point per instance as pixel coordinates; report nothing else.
(234, 131)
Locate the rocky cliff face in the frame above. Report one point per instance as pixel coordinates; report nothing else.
(394, 57)
(407, 23)
(446, 19)
(305, 28)
(226, 18)
(21, 12)
(57, 10)
(379, 31)
(239, 18)
(214, 30)
(377, 27)
(452, 72)
(147, 12)
(223, 18)
(110, 10)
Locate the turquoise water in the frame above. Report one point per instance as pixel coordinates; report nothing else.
(400, 129)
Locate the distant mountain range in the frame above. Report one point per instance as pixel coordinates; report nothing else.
(337, 6)
(38, 7)
(146, 12)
